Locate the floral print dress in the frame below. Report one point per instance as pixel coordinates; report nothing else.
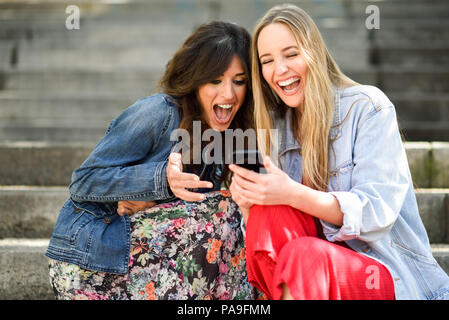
(179, 250)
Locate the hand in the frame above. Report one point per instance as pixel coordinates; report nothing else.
(179, 181)
(242, 202)
(130, 207)
(263, 189)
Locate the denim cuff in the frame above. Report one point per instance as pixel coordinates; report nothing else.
(351, 206)
(161, 183)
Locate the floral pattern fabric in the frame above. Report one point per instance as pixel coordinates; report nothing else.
(179, 250)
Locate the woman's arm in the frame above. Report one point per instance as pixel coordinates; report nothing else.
(116, 169)
(276, 187)
(380, 181)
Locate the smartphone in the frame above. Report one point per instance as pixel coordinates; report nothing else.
(249, 159)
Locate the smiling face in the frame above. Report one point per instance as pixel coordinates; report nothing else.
(283, 66)
(221, 98)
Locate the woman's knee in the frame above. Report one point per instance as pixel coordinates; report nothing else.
(296, 250)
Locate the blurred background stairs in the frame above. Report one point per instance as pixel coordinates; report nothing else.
(60, 88)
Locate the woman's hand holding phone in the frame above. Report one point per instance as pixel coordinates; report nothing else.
(249, 188)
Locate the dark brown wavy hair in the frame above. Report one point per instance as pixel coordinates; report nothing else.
(204, 56)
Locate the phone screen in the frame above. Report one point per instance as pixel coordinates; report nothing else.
(249, 159)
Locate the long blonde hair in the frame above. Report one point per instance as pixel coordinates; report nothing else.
(311, 123)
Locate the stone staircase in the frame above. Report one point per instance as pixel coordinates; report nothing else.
(60, 88)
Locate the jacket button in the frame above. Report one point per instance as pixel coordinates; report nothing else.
(107, 220)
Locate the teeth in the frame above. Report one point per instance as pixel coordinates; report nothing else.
(225, 106)
(287, 82)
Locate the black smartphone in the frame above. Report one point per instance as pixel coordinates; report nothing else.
(250, 159)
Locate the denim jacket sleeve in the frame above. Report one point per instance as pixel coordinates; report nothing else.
(380, 178)
(127, 164)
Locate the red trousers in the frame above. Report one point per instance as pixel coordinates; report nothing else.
(284, 246)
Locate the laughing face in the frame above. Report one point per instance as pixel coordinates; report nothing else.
(221, 98)
(283, 66)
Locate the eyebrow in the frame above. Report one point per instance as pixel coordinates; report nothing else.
(237, 75)
(285, 49)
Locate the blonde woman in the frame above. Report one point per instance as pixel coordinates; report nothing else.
(340, 220)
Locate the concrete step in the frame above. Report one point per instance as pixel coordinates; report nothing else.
(33, 114)
(142, 82)
(409, 57)
(403, 8)
(428, 32)
(428, 161)
(33, 56)
(140, 34)
(63, 109)
(422, 116)
(122, 31)
(60, 116)
(31, 212)
(433, 207)
(425, 131)
(53, 133)
(415, 81)
(56, 162)
(25, 268)
(138, 82)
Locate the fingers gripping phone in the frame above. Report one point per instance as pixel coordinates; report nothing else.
(249, 159)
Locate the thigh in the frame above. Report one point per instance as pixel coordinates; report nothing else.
(179, 250)
(314, 268)
(268, 229)
(191, 250)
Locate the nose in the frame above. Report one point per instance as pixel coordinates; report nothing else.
(227, 91)
(280, 67)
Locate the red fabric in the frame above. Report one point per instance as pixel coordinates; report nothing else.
(283, 245)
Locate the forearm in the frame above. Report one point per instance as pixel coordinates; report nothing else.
(145, 182)
(319, 204)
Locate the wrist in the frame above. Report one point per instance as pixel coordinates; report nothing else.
(295, 191)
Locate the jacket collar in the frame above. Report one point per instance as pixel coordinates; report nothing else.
(286, 138)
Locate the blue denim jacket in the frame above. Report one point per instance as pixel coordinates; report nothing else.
(371, 180)
(129, 163)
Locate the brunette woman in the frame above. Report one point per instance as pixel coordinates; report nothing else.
(185, 242)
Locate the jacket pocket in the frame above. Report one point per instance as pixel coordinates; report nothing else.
(96, 209)
(71, 220)
(429, 260)
(340, 177)
(424, 269)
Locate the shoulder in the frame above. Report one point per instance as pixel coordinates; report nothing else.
(158, 103)
(362, 102)
(153, 111)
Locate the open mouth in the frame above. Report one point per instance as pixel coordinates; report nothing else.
(223, 112)
(289, 86)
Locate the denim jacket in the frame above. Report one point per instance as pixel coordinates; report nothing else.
(129, 163)
(371, 180)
